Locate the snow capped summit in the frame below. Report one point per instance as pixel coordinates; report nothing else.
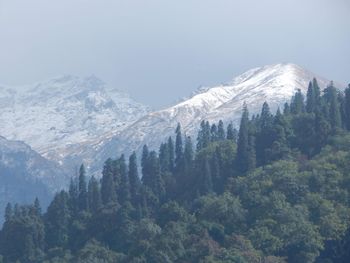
(56, 117)
(275, 84)
(72, 120)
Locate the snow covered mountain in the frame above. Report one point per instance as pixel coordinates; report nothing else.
(66, 117)
(24, 175)
(72, 120)
(275, 84)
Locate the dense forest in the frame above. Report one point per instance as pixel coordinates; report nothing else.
(276, 190)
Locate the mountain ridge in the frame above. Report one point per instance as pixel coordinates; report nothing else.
(275, 84)
(57, 116)
(91, 130)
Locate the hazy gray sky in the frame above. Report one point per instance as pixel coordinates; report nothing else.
(160, 50)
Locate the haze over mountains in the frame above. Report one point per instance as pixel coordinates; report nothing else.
(25, 175)
(66, 116)
(275, 84)
(69, 120)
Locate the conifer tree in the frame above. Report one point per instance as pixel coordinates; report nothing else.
(297, 104)
(286, 109)
(242, 158)
(313, 97)
(207, 134)
(214, 133)
(251, 161)
(73, 196)
(217, 177)
(144, 161)
(322, 130)
(155, 181)
(8, 212)
(37, 207)
(264, 138)
(94, 195)
(334, 107)
(134, 178)
(310, 99)
(188, 155)
(82, 196)
(221, 131)
(124, 189)
(171, 154)
(232, 133)
(207, 181)
(347, 108)
(204, 135)
(266, 118)
(57, 220)
(317, 90)
(200, 136)
(108, 188)
(164, 158)
(280, 131)
(178, 149)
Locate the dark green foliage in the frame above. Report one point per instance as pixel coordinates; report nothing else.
(94, 195)
(178, 149)
(214, 133)
(206, 178)
(171, 151)
(73, 196)
(245, 152)
(124, 187)
(108, 187)
(205, 135)
(8, 212)
(144, 162)
(286, 109)
(188, 156)
(347, 108)
(332, 100)
(297, 105)
(313, 98)
(280, 195)
(57, 220)
(23, 236)
(221, 131)
(134, 179)
(232, 133)
(265, 137)
(82, 188)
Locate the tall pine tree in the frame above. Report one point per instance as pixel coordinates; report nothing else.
(82, 196)
(134, 179)
(108, 188)
(242, 158)
(94, 195)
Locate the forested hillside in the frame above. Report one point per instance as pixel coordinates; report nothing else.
(277, 190)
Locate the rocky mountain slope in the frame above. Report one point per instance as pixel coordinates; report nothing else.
(65, 118)
(275, 84)
(72, 120)
(25, 174)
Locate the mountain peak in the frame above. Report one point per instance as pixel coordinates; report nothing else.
(57, 116)
(275, 83)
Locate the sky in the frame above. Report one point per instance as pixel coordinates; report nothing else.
(159, 50)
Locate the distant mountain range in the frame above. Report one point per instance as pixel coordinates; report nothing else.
(67, 117)
(69, 120)
(25, 175)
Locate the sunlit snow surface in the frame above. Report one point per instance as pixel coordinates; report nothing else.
(71, 120)
(61, 117)
(275, 84)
